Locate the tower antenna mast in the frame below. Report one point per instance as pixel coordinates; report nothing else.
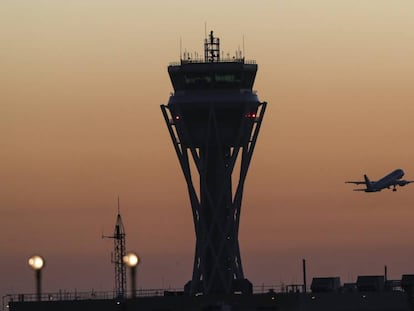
(118, 255)
(244, 53)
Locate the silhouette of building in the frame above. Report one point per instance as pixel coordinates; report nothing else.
(214, 117)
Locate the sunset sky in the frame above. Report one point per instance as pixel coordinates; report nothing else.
(81, 83)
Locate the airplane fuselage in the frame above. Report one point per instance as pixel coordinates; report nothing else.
(387, 181)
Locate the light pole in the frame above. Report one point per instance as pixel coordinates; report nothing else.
(132, 260)
(37, 263)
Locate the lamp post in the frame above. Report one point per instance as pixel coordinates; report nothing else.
(132, 260)
(37, 263)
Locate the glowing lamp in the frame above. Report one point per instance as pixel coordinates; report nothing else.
(131, 260)
(36, 262)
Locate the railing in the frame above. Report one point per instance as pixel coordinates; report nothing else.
(199, 60)
(106, 295)
(71, 296)
(281, 288)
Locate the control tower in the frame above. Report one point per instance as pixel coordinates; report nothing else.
(214, 118)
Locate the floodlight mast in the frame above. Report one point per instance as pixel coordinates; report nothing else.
(212, 117)
(37, 263)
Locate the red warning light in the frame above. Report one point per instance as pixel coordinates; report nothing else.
(251, 115)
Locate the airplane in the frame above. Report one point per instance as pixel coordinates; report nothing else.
(393, 179)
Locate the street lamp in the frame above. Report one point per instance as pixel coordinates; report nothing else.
(132, 260)
(37, 263)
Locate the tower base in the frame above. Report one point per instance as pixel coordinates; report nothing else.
(240, 286)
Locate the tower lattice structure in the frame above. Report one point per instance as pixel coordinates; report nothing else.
(214, 118)
(118, 255)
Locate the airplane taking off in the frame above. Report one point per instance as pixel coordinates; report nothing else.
(393, 179)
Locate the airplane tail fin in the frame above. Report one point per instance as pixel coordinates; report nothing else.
(368, 183)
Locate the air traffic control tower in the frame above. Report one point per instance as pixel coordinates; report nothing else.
(214, 118)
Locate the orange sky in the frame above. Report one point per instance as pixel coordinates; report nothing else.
(80, 87)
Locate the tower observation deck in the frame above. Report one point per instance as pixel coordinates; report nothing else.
(214, 118)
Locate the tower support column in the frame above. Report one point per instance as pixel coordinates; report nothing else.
(216, 209)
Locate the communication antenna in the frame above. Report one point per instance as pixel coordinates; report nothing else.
(212, 48)
(181, 48)
(244, 53)
(118, 255)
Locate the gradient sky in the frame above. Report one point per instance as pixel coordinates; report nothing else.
(80, 87)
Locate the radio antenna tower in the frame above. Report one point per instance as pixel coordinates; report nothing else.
(118, 255)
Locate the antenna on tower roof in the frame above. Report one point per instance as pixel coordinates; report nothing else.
(181, 48)
(212, 48)
(244, 54)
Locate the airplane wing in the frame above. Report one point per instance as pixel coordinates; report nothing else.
(356, 182)
(403, 182)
